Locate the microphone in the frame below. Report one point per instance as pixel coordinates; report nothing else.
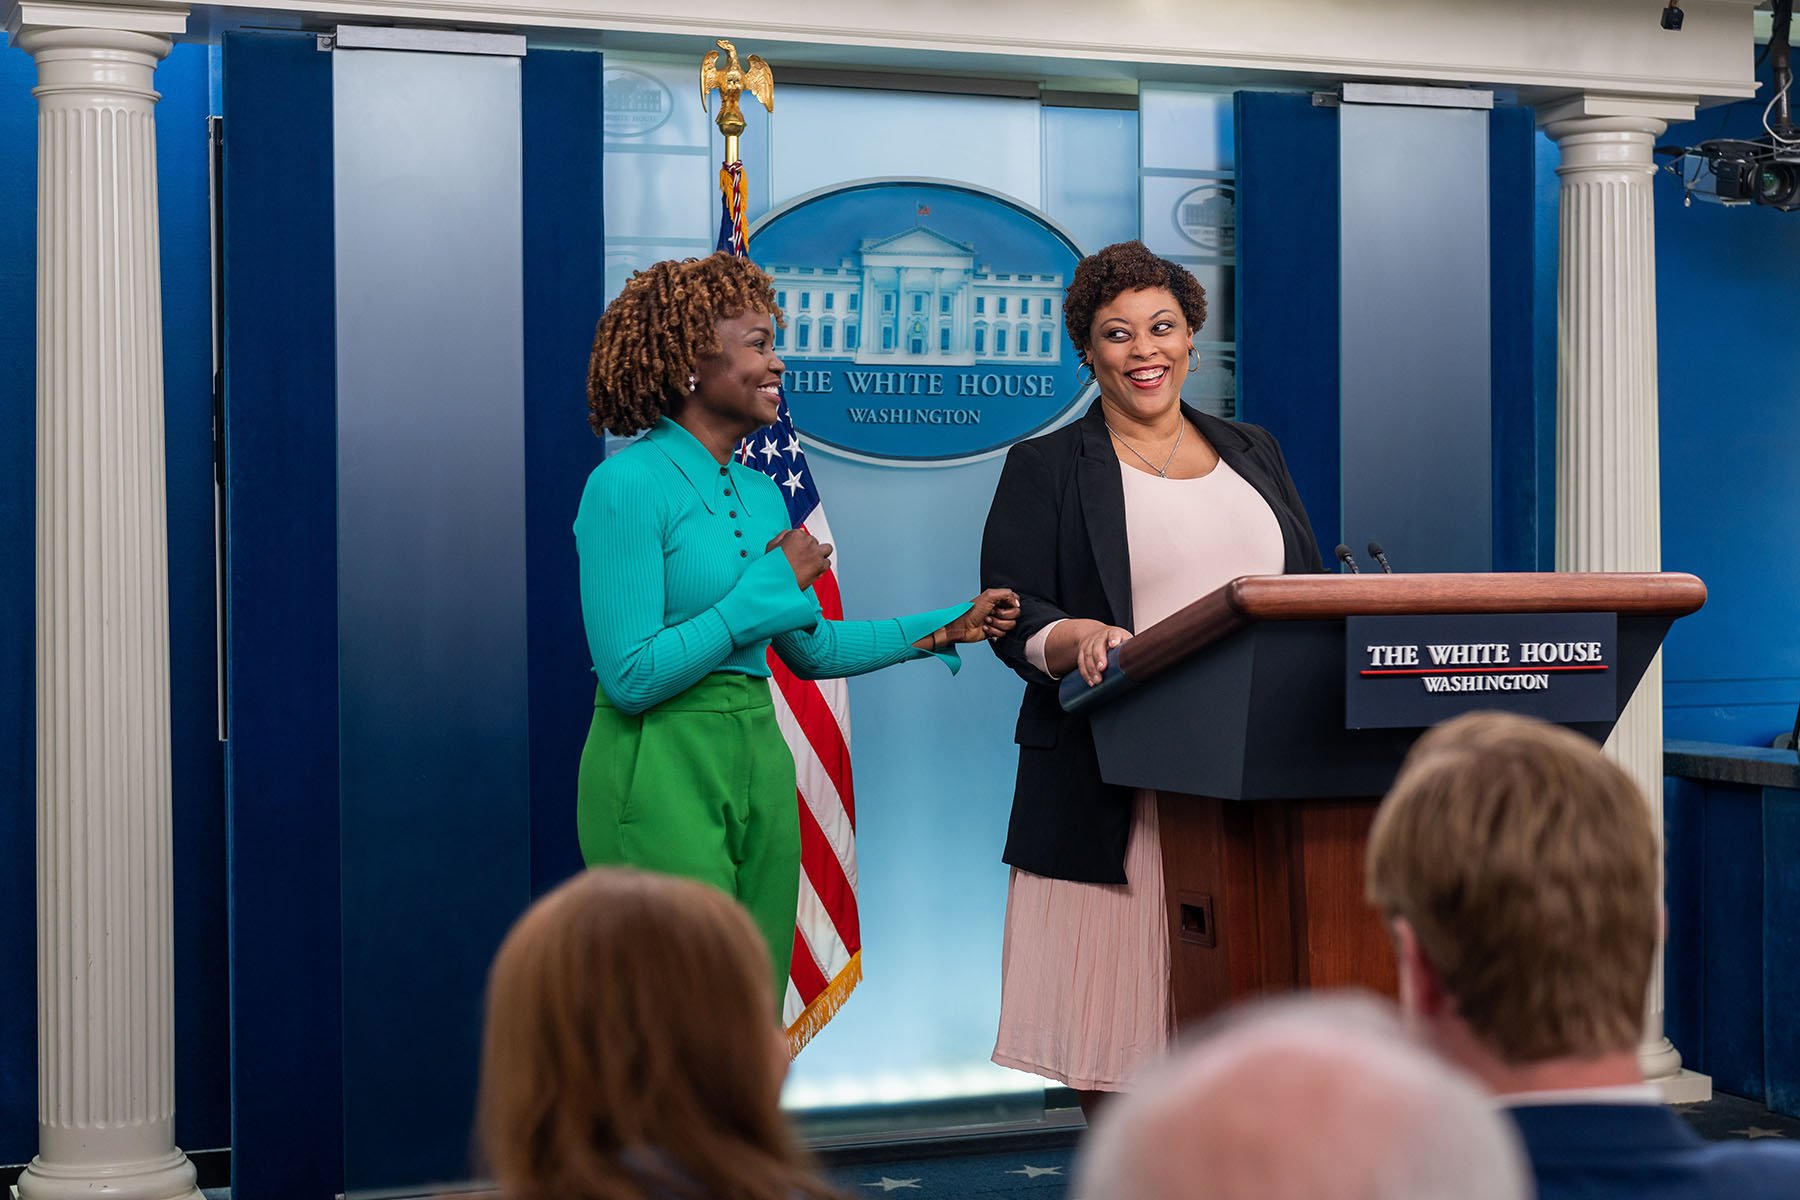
(1344, 556)
(1376, 554)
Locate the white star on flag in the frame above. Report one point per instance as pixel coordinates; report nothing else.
(769, 448)
(1757, 1131)
(888, 1185)
(1031, 1172)
(792, 482)
(792, 448)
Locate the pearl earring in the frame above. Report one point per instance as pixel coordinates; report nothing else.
(692, 383)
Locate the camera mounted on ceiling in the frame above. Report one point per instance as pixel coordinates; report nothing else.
(1764, 170)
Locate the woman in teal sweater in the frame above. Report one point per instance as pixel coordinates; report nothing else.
(688, 573)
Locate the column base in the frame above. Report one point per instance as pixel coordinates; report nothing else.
(1685, 1087)
(1661, 1064)
(1657, 1056)
(170, 1178)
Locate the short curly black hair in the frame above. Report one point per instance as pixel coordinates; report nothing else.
(1126, 267)
(655, 331)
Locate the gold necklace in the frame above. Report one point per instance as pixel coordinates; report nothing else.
(1162, 472)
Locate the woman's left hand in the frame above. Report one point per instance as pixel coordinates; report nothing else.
(991, 614)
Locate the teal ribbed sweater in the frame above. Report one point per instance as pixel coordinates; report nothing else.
(675, 583)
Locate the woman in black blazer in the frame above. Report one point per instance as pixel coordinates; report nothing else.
(1205, 500)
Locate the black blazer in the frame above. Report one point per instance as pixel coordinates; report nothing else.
(1056, 535)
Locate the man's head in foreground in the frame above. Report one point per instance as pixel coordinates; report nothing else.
(1517, 868)
(1314, 1097)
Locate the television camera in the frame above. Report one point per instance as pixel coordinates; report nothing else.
(1764, 170)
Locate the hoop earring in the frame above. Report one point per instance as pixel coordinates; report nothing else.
(1082, 368)
(1193, 359)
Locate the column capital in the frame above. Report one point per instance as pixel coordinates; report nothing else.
(1600, 112)
(143, 16)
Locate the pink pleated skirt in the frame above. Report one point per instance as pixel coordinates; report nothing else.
(1084, 970)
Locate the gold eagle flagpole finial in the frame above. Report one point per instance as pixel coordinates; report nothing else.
(732, 82)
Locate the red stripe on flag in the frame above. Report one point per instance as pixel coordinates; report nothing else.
(831, 601)
(820, 862)
(804, 972)
(823, 733)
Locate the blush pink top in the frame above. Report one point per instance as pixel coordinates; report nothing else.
(1187, 537)
(1084, 973)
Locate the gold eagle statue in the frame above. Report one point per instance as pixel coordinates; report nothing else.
(731, 83)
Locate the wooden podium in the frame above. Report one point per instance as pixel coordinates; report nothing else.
(1233, 711)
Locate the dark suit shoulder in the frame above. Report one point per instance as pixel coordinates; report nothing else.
(1646, 1152)
(1747, 1170)
(1243, 432)
(1057, 446)
(1255, 433)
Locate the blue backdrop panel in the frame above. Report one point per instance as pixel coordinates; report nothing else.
(1734, 934)
(202, 1027)
(281, 510)
(18, 703)
(1545, 236)
(1684, 883)
(1781, 949)
(1512, 200)
(1732, 864)
(1416, 424)
(431, 589)
(564, 293)
(1287, 301)
(1729, 427)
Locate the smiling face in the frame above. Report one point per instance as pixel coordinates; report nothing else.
(740, 385)
(1138, 349)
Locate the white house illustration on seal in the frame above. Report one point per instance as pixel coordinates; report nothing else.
(918, 298)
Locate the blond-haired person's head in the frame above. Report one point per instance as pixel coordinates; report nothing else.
(631, 1049)
(1309, 1097)
(1519, 870)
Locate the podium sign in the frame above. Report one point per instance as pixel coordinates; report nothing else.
(1414, 670)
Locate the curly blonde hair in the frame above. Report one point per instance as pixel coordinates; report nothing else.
(652, 336)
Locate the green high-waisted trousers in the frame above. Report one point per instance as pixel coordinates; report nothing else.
(701, 785)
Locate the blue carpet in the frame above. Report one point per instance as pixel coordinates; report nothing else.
(1042, 1174)
(1726, 1117)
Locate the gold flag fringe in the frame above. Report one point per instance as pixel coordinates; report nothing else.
(824, 1006)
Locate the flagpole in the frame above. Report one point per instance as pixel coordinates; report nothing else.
(731, 82)
(814, 715)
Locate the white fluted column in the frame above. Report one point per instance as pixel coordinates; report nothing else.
(1608, 489)
(106, 1086)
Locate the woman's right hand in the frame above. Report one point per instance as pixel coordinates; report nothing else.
(806, 554)
(1091, 651)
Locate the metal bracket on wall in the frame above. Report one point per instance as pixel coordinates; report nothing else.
(430, 41)
(1415, 96)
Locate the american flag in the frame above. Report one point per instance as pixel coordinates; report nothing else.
(814, 716)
